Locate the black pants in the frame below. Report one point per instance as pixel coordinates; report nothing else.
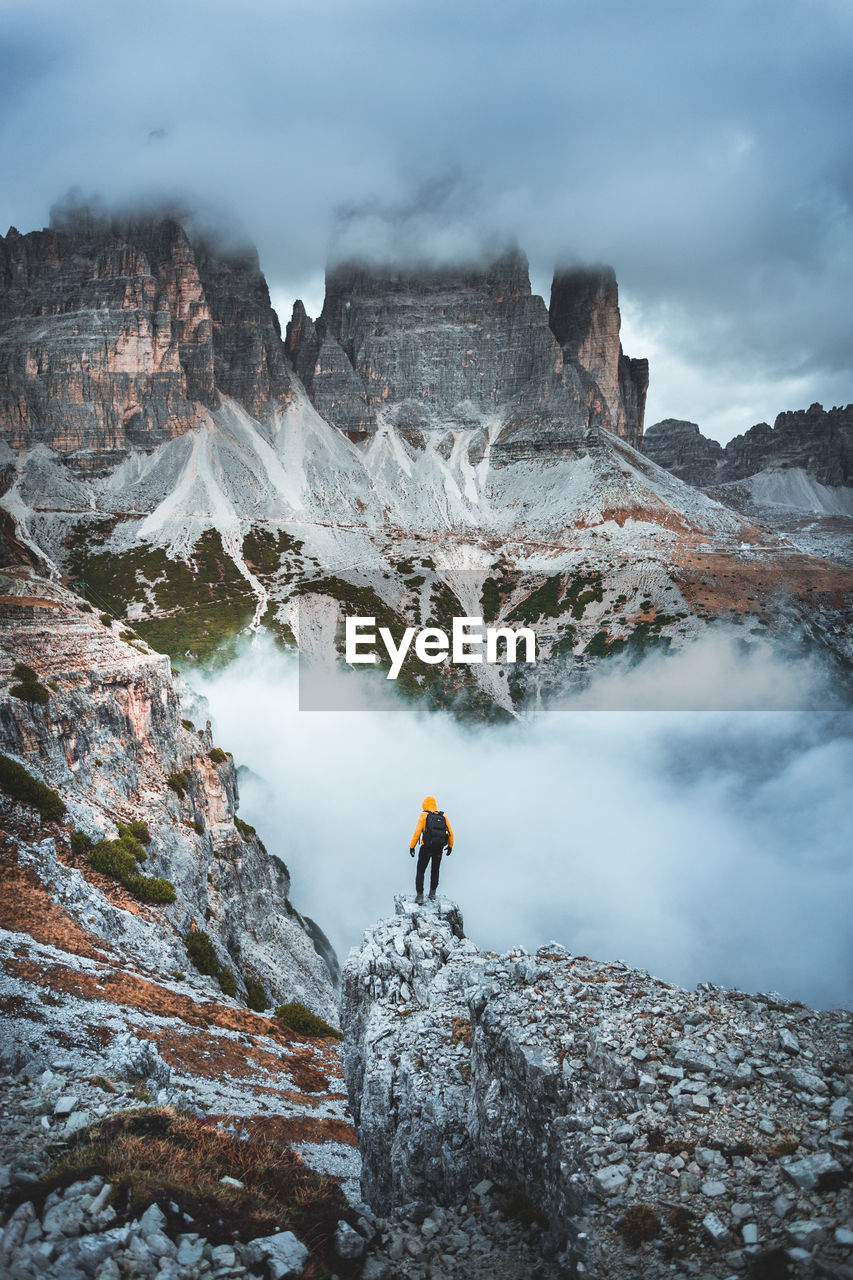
(424, 856)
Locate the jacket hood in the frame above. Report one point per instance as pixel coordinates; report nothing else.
(429, 804)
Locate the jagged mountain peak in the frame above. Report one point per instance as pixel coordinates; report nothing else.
(117, 332)
(584, 317)
(818, 441)
(434, 347)
(159, 429)
(429, 347)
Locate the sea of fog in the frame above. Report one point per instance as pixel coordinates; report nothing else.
(699, 845)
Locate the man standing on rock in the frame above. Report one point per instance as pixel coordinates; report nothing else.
(434, 832)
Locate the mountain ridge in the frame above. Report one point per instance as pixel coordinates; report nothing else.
(816, 440)
(196, 486)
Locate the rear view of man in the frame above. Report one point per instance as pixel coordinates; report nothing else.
(434, 832)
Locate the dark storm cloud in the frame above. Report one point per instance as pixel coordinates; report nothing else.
(702, 149)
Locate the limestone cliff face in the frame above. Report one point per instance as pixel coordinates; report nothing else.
(120, 334)
(110, 738)
(445, 348)
(584, 316)
(437, 349)
(335, 388)
(117, 335)
(599, 1094)
(818, 441)
(249, 361)
(681, 448)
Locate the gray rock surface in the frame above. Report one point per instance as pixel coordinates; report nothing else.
(681, 448)
(130, 1058)
(522, 1071)
(109, 738)
(433, 349)
(283, 1254)
(584, 317)
(816, 440)
(118, 333)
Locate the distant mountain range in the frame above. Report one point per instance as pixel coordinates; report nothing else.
(816, 441)
(436, 442)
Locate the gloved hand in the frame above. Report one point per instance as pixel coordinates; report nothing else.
(448, 853)
(412, 852)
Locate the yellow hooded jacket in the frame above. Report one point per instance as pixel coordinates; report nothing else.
(429, 806)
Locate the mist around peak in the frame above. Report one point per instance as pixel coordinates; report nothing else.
(700, 845)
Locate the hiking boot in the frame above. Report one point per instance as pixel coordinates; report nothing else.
(432, 894)
(419, 897)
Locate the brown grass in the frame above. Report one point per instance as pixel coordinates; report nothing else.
(163, 1156)
(720, 581)
(290, 1129)
(785, 1145)
(140, 993)
(211, 1055)
(20, 1007)
(640, 1223)
(26, 907)
(308, 1067)
(461, 1032)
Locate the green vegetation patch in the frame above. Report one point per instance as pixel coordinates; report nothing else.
(151, 889)
(217, 755)
(227, 981)
(496, 589)
(179, 782)
(296, 1017)
(264, 550)
(553, 597)
(197, 607)
(29, 688)
(282, 631)
(444, 607)
(113, 858)
(565, 644)
(256, 996)
(135, 828)
(80, 843)
(120, 859)
(645, 637)
(355, 599)
(600, 646)
(291, 911)
(19, 784)
(201, 952)
(248, 832)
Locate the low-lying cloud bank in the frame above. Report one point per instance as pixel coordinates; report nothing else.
(702, 846)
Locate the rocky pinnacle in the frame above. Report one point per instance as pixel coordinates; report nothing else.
(619, 1108)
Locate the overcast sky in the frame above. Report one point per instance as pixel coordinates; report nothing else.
(702, 149)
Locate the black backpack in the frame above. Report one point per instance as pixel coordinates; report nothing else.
(435, 831)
